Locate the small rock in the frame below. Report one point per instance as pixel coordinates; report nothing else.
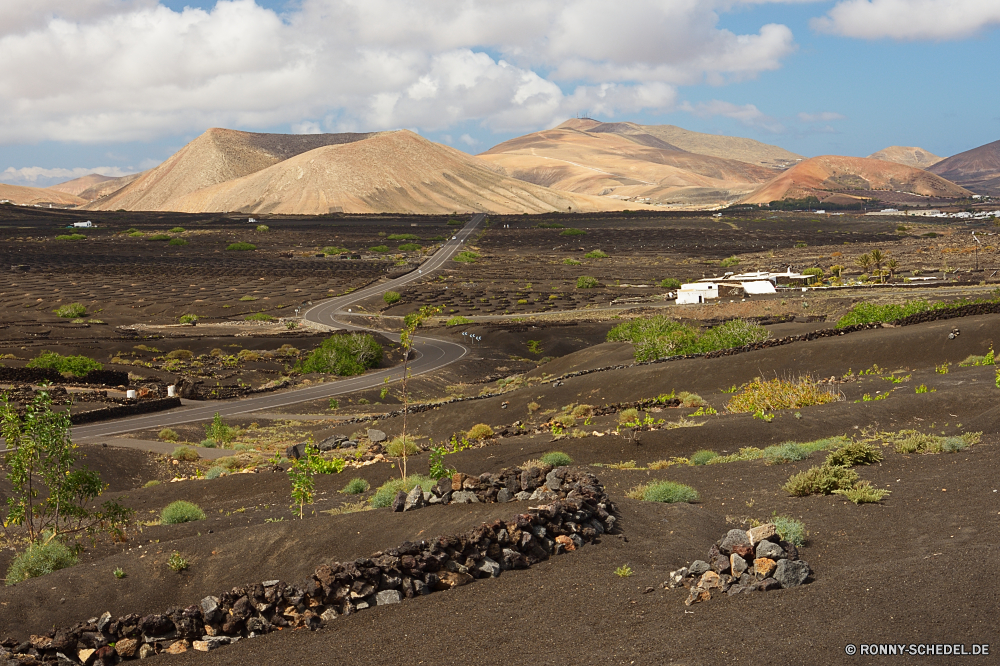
(146, 650)
(761, 533)
(456, 481)
(763, 566)
(791, 552)
(676, 578)
(769, 584)
(567, 543)
(178, 647)
(464, 497)
(553, 480)
(735, 589)
(790, 573)
(387, 597)
(414, 499)
(697, 595)
(698, 567)
(329, 615)
(710, 580)
(746, 552)
(770, 550)
(103, 621)
(737, 565)
(721, 564)
(504, 496)
(489, 567)
(376, 436)
(399, 503)
(732, 539)
(450, 579)
(126, 647)
(522, 496)
(85, 655)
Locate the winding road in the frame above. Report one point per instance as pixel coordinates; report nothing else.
(432, 354)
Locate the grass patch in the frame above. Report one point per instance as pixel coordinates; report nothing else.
(344, 355)
(670, 283)
(356, 487)
(596, 254)
(790, 530)
(409, 247)
(667, 492)
(215, 472)
(587, 282)
(863, 493)
(556, 459)
(380, 249)
(188, 319)
(822, 480)
(702, 457)
(391, 297)
(185, 453)
(660, 336)
(259, 316)
(177, 230)
(572, 232)
(77, 366)
(168, 435)
(913, 441)
(458, 320)
(71, 237)
(466, 257)
(387, 491)
(181, 512)
(728, 262)
(480, 431)
(402, 237)
(39, 559)
(571, 262)
(872, 313)
(241, 247)
(71, 310)
(770, 395)
(398, 446)
(855, 453)
(177, 241)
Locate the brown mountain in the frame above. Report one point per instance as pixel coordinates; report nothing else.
(217, 156)
(852, 177)
(384, 172)
(908, 155)
(624, 161)
(37, 195)
(78, 185)
(107, 187)
(726, 147)
(977, 169)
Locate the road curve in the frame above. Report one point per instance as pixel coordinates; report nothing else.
(432, 354)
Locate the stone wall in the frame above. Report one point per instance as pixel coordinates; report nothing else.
(576, 512)
(35, 375)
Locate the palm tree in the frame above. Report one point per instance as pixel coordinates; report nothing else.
(878, 258)
(893, 266)
(865, 262)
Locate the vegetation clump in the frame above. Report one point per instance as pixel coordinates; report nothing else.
(356, 486)
(702, 457)
(596, 254)
(169, 435)
(181, 512)
(556, 459)
(572, 232)
(587, 282)
(666, 492)
(769, 395)
(185, 454)
(391, 297)
(670, 283)
(855, 453)
(387, 491)
(458, 320)
(466, 257)
(241, 247)
(660, 336)
(863, 493)
(77, 366)
(790, 530)
(259, 316)
(188, 319)
(344, 355)
(41, 557)
(480, 431)
(822, 480)
(71, 310)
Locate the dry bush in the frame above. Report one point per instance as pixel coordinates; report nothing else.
(762, 395)
(480, 431)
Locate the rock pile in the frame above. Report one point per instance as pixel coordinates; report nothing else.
(580, 515)
(742, 562)
(533, 484)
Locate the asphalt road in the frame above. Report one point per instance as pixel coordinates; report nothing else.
(432, 354)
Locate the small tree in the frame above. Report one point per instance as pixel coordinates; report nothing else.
(301, 473)
(48, 496)
(410, 324)
(878, 258)
(864, 262)
(893, 267)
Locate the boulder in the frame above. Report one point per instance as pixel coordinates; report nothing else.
(770, 550)
(732, 539)
(489, 567)
(737, 565)
(698, 567)
(504, 496)
(790, 573)
(376, 436)
(388, 597)
(763, 566)
(415, 499)
(126, 647)
(296, 451)
(399, 503)
(464, 497)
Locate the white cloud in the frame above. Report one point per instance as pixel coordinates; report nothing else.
(746, 114)
(42, 177)
(822, 117)
(120, 70)
(910, 19)
(468, 140)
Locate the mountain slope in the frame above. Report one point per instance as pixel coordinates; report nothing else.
(726, 147)
(37, 195)
(977, 169)
(829, 174)
(107, 187)
(217, 156)
(624, 161)
(78, 185)
(908, 155)
(385, 172)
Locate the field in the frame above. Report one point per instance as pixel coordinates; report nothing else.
(905, 569)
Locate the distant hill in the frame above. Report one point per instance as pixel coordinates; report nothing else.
(217, 156)
(830, 175)
(624, 160)
(908, 155)
(104, 188)
(37, 195)
(977, 169)
(386, 172)
(78, 185)
(726, 147)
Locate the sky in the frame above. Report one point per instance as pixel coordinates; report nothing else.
(117, 86)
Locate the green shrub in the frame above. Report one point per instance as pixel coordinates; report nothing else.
(815, 273)
(702, 457)
(455, 223)
(177, 563)
(770, 395)
(387, 491)
(181, 355)
(596, 254)
(185, 453)
(458, 320)
(913, 441)
(332, 249)
(188, 319)
(821, 480)
(381, 249)
(587, 282)
(466, 257)
(177, 230)
(215, 472)
(409, 247)
(344, 355)
(784, 453)
(480, 431)
(39, 559)
(169, 435)
(219, 432)
(630, 415)
(790, 530)
(136, 234)
(691, 400)
(71, 310)
(670, 283)
(556, 459)
(177, 241)
(209, 443)
(71, 237)
(660, 336)
(391, 297)
(78, 366)
(669, 492)
(158, 237)
(572, 232)
(855, 453)
(356, 486)
(263, 228)
(151, 484)
(571, 262)
(550, 225)
(863, 493)
(181, 512)
(241, 247)
(259, 316)
(729, 262)
(397, 446)
(399, 237)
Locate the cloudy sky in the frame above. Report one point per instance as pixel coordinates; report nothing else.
(116, 86)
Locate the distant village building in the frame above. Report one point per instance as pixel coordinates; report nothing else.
(741, 285)
(83, 225)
